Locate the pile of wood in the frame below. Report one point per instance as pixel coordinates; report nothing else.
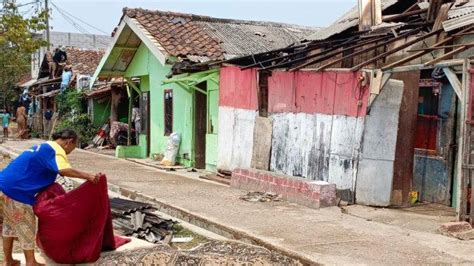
(138, 219)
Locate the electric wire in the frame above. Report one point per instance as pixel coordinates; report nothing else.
(78, 19)
(77, 26)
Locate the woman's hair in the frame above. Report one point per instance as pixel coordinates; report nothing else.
(65, 134)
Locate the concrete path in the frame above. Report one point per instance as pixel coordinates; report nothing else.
(326, 236)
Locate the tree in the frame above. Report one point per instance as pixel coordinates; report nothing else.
(17, 43)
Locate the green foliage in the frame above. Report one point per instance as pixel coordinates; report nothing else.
(17, 43)
(73, 115)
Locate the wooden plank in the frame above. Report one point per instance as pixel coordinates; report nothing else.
(441, 16)
(453, 79)
(370, 14)
(405, 144)
(331, 54)
(360, 52)
(353, 54)
(446, 55)
(396, 49)
(412, 57)
(215, 178)
(462, 174)
(392, 18)
(434, 8)
(262, 143)
(439, 47)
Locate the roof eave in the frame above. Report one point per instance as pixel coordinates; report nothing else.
(150, 42)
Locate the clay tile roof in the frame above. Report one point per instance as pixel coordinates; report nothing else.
(188, 35)
(84, 61)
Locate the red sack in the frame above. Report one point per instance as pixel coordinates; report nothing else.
(75, 227)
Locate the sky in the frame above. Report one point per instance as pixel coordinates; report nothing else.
(104, 15)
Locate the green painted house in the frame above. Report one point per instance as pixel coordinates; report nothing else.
(162, 53)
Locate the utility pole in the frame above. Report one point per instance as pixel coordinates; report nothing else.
(48, 34)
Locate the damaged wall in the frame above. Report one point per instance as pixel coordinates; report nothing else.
(376, 167)
(238, 107)
(318, 120)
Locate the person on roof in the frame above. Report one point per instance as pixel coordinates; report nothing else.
(51, 65)
(30, 173)
(60, 59)
(66, 78)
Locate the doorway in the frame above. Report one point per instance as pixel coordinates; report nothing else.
(435, 142)
(200, 126)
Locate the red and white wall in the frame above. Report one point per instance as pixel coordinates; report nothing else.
(318, 123)
(238, 107)
(320, 128)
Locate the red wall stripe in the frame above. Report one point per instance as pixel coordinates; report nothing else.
(281, 92)
(333, 93)
(238, 88)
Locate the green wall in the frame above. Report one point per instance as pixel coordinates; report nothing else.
(152, 74)
(101, 112)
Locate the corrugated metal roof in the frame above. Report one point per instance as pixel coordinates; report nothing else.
(460, 16)
(194, 36)
(347, 21)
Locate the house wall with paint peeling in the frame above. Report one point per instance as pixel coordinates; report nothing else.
(237, 113)
(318, 120)
(319, 128)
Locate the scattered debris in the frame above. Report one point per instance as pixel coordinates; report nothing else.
(224, 172)
(210, 253)
(261, 197)
(138, 219)
(459, 230)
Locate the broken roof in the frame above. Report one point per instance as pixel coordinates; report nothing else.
(411, 33)
(347, 21)
(202, 38)
(460, 15)
(84, 61)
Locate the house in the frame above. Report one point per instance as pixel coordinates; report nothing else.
(45, 89)
(68, 39)
(378, 104)
(153, 48)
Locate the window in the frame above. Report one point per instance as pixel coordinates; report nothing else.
(168, 112)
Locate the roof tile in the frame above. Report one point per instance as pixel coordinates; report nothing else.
(193, 35)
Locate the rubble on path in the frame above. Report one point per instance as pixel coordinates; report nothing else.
(138, 219)
(261, 197)
(211, 253)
